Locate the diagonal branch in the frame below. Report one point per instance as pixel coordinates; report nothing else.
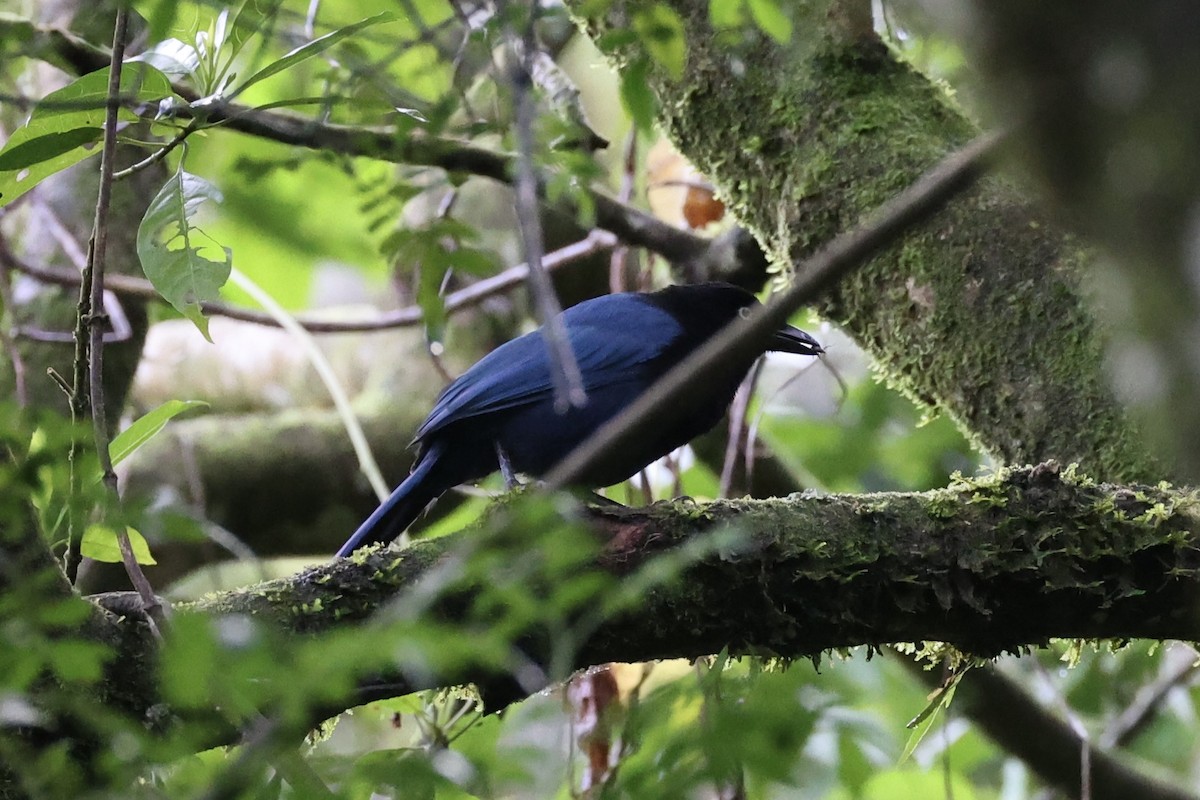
(930, 193)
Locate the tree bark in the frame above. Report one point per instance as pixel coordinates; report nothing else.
(990, 566)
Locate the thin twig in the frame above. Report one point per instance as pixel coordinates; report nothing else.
(159, 154)
(739, 434)
(565, 374)
(620, 257)
(928, 194)
(408, 316)
(310, 19)
(91, 325)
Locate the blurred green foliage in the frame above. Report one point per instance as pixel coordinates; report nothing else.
(801, 730)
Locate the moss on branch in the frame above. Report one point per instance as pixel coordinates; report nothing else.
(978, 311)
(988, 565)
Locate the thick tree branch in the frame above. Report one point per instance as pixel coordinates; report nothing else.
(978, 311)
(990, 566)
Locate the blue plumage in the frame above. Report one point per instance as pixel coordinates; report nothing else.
(606, 338)
(623, 344)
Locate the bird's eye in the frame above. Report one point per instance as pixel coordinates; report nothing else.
(744, 312)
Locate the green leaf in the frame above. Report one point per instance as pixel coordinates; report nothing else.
(923, 722)
(307, 51)
(639, 101)
(100, 544)
(45, 148)
(429, 298)
(67, 124)
(611, 41)
(770, 17)
(161, 17)
(170, 258)
(473, 261)
(724, 14)
(146, 426)
(661, 30)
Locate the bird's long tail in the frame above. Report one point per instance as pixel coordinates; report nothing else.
(403, 506)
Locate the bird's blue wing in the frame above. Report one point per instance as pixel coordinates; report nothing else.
(610, 337)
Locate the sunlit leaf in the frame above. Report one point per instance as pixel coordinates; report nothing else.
(170, 256)
(474, 261)
(771, 19)
(146, 426)
(100, 544)
(725, 13)
(172, 57)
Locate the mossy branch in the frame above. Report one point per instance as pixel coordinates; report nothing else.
(978, 312)
(989, 566)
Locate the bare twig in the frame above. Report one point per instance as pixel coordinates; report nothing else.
(564, 369)
(386, 143)
(739, 434)
(929, 193)
(159, 154)
(620, 257)
(90, 328)
(1046, 743)
(461, 300)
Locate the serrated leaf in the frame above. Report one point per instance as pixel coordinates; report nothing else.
(67, 124)
(636, 96)
(307, 51)
(769, 16)
(146, 426)
(661, 30)
(100, 544)
(169, 254)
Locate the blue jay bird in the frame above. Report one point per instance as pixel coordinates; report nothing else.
(503, 406)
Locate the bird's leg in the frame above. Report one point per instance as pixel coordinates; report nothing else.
(506, 468)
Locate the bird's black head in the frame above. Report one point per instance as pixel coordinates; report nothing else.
(705, 308)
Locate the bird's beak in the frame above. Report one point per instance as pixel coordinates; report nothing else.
(793, 340)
